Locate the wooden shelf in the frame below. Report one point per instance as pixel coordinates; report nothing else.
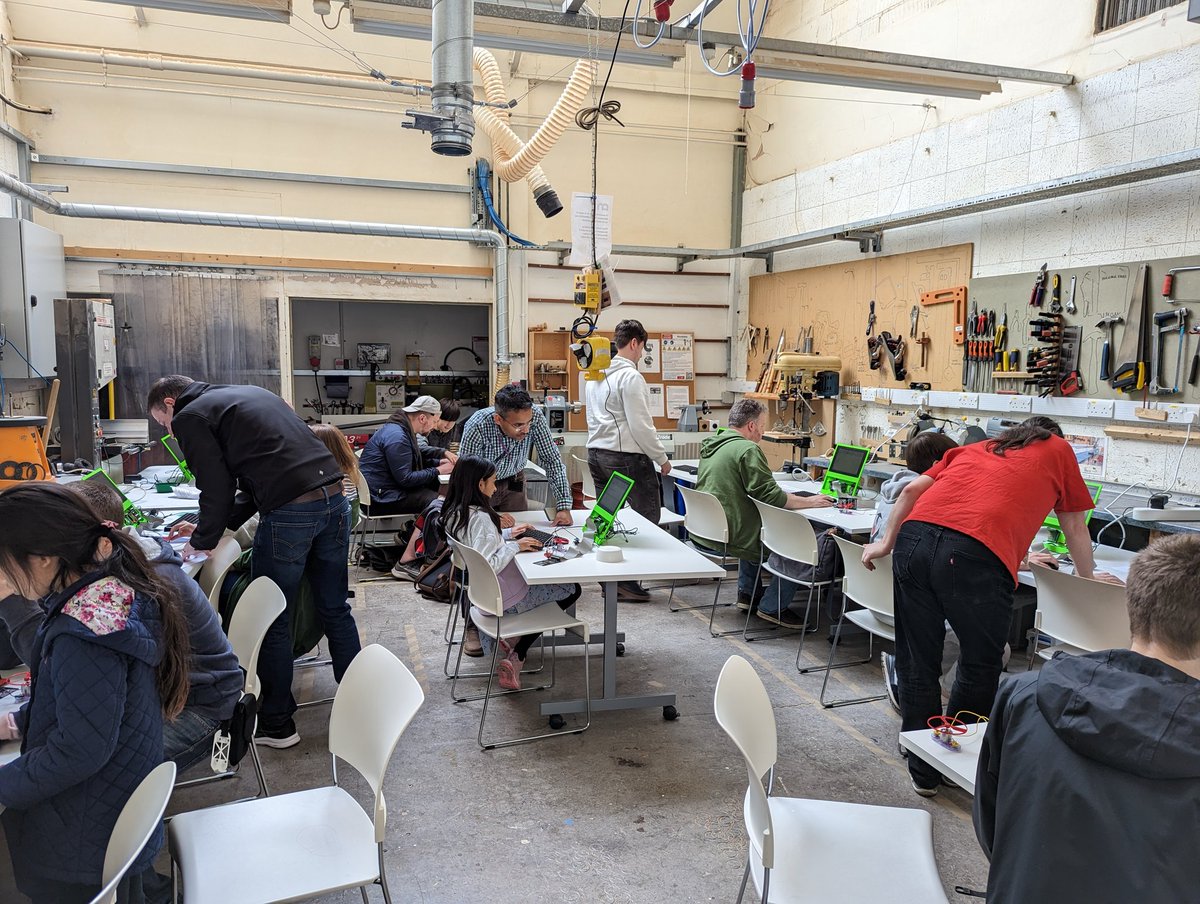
(1012, 375)
(1147, 434)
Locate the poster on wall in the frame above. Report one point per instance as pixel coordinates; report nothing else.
(1091, 452)
(676, 356)
(648, 362)
(678, 397)
(583, 249)
(658, 404)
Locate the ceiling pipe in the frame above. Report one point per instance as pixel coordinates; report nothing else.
(43, 201)
(453, 80)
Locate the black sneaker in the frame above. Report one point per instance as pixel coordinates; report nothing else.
(785, 619)
(280, 738)
(924, 792)
(891, 685)
(632, 592)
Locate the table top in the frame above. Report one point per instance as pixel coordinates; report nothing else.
(1108, 558)
(650, 554)
(959, 765)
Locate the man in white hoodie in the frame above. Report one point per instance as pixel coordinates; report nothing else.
(622, 436)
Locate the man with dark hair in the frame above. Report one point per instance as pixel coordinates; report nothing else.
(506, 435)
(622, 436)
(1088, 773)
(251, 452)
(447, 430)
(734, 469)
(214, 675)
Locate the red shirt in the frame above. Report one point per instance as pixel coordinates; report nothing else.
(1002, 500)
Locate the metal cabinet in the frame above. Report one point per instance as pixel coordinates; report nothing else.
(32, 274)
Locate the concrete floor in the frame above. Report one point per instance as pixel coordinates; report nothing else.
(636, 809)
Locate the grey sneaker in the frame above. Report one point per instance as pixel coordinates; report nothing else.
(891, 685)
(924, 792)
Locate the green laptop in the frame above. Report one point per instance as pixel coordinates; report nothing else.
(171, 444)
(604, 512)
(845, 470)
(133, 515)
(1057, 543)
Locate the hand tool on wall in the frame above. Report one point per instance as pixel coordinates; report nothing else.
(924, 343)
(1071, 309)
(1039, 288)
(1106, 349)
(1165, 323)
(871, 319)
(1194, 372)
(1056, 294)
(912, 321)
(1129, 375)
(1168, 286)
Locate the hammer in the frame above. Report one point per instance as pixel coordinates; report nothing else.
(1106, 349)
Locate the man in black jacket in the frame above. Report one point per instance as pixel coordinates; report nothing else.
(1089, 776)
(250, 452)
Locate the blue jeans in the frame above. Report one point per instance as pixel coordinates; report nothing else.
(778, 595)
(747, 583)
(188, 740)
(304, 539)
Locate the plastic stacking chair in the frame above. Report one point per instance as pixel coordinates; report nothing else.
(818, 851)
(138, 821)
(307, 843)
(873, 591)
(370, 524)
(704, 518)
(790, 535)
(483, 590)
(259, 606)
(215, 567)
(1083, 615)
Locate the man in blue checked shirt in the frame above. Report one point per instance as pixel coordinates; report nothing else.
(505, 434)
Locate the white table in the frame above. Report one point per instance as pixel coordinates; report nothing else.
(651, 554)
(959, 765)
(1108, 558)
(146, 498)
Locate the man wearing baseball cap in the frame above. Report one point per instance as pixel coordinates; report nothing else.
(403, 478)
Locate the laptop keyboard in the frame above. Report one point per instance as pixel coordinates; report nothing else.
(688, 469)
(540, 535)
(804, 493)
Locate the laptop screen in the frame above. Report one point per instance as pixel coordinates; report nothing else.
(102, 477)
(614, 493)
(848, 460)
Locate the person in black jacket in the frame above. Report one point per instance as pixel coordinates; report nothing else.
(250, 452)
(1088, 786)
(109, 663)
(402, 476)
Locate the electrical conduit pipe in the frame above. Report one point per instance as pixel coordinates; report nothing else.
(516, 159)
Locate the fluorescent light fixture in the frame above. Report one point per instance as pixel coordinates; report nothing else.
(516, 43)
(262, 10)
(874, 83)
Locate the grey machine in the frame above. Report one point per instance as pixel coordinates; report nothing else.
(87, 362)
(32, 275)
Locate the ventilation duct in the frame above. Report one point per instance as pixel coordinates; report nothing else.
(514, 158)
(453, 82)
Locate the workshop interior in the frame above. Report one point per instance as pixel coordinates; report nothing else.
(876, 219)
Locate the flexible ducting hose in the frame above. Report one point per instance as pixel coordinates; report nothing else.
(516, 159)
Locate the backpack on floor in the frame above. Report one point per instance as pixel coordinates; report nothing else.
(433, 578)
(829, 567)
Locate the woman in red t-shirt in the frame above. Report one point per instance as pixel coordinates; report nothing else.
(957, 535)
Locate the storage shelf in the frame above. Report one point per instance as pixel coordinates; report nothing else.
(393, 376)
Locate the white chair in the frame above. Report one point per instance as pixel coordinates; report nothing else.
(704, 517)
(259, 606)
(790, 535)
(374, 522)
(818, 851)
(873, 591)
(138, 821)
(1083, 615)
(483, 590)
(314, 842)
(216, 566)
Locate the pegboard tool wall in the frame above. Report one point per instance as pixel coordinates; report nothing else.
(835, 300)
(1100, 291)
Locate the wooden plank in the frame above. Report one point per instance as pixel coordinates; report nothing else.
(1147, 434)
(78, 252)
(565, 267)
(1150, 414)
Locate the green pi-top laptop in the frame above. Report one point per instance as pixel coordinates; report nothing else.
(1057, 543)
(171, 444)
(133, 515)
(604, 512)
(845, 470)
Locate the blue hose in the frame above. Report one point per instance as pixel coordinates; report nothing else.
(482, 172)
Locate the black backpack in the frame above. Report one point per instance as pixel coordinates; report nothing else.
(433, 579)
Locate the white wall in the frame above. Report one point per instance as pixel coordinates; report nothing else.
(823, 165)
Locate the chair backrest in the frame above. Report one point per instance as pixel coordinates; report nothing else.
(744, 712)
(1091, 615)
(787, 533)
(364, 491)
(589, 485)
(375, 702)
(703, 515)
(137, 822)
(259, 606)
(456, 556)
(483, 587)
(216, 566)
(871, 589)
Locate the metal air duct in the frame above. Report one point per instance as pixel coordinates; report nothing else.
(453, 78)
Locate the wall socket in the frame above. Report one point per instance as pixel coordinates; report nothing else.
(1020, 403)
(1100, 408)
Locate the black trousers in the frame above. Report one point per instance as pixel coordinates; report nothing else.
(646, 496)
(940, 575)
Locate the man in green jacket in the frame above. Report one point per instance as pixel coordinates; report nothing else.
(734, 469)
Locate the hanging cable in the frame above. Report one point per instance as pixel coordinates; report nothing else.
(482, 179)
(23, 108)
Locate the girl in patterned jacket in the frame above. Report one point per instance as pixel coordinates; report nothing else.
(109, 663)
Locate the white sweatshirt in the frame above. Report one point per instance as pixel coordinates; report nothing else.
(498, 547)
(618, 413)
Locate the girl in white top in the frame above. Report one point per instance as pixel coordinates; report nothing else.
(469, 518)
